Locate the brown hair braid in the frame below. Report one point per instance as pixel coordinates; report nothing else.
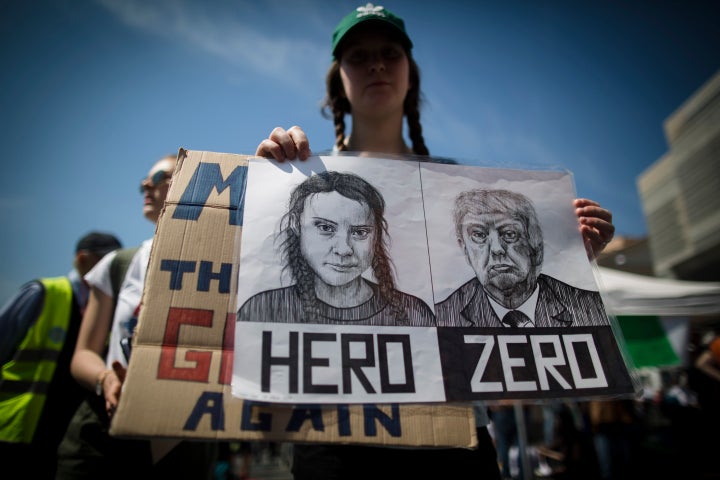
(335, 105)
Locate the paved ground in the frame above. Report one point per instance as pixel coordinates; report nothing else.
(264, 466)
(276, 471)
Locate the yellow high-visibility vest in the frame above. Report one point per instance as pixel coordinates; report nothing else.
(27, 376)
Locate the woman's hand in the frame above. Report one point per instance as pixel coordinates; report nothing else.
(112, 387)
(596, 225)
(285, 145)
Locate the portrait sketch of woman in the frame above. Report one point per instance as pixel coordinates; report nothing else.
(333, 231)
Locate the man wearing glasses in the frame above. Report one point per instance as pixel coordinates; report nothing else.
(87, 451)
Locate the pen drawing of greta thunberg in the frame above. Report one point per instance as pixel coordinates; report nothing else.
(502, 240)
(333, 231)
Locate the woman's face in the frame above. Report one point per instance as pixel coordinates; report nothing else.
(337, 235)
(375, 72)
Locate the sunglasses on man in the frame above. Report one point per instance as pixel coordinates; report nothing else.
(154, 180)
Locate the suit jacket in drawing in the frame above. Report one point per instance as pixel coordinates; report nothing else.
(558, 305)
(283, 305)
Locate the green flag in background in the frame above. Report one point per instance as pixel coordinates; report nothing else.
(647, 341)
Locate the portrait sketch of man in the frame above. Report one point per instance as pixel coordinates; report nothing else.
(499, 233)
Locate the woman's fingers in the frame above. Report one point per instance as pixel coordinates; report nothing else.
(595, 225)
(285, 145)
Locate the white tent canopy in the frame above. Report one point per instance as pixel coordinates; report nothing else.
(630, 294)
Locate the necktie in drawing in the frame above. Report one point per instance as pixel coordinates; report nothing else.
(515, 318)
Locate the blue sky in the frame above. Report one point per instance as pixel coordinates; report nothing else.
(94, 91)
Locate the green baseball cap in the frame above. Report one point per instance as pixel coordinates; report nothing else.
(364, 14)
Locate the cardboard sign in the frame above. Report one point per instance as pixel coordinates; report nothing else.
(179, 376)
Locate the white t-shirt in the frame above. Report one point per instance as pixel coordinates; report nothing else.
(128, 304)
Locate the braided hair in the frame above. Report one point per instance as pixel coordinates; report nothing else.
(335, 106)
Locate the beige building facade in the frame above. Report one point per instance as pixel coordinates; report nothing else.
(680, 192)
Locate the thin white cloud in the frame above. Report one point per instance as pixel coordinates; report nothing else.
(239, 33)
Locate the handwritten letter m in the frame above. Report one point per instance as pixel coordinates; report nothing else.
(206, 177)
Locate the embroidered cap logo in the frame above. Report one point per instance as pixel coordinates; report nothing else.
(370, 9)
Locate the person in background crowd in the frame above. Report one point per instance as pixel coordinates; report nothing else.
(38, 332)
(615, 428)
(574, 443)
(234, 461)
(101, 360)
(374, 78)
(703, 378)
(506, 435)
(708, 362)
